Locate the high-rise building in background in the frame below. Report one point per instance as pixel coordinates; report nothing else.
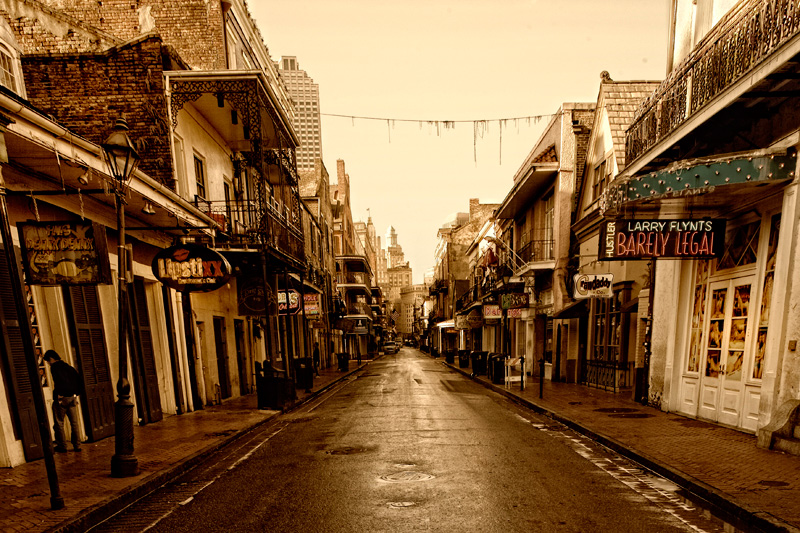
(305, 96)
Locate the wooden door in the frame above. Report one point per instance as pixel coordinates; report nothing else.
(221, 344)
(241, 357)
(148, 399)
(15, 367)
(89, 341)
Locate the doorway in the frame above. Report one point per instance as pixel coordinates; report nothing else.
(221, 347)
(726, 350)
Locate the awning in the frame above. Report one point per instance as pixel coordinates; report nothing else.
(576, 309)
(446, 324)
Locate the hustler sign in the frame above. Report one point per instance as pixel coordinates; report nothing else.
(624, 239)
(191, 267)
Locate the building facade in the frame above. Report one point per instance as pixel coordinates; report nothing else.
(305, 97)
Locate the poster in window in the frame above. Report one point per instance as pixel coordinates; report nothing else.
(694, 352)
(718, 303)
(715, 334)
(765, 300)
(733, 366)
(761, 346)
(736, 341)
(741, 300)
(712, 363)
(699, 304)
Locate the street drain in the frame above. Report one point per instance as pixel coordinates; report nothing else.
(400, 505)
(616, 410)
(347, 450)
(769, 483)
(630, 415)
(407, 476)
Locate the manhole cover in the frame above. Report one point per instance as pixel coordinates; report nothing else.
(400, 505)
(630, 415)
(346, 450)
(406, 477)
(616, 410)
(768, 483)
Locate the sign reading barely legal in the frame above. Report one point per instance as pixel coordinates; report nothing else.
(624, 239)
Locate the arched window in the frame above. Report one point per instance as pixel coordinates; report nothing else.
(10, 66)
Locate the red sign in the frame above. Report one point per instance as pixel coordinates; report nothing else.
(311, 304)
(624, 239)
(191, 268)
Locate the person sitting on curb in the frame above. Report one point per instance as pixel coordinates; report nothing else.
(67, 385)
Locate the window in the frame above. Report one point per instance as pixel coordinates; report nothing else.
(549, 225)
(741, 246)
(610, 325)
(600, 181)
(200, 177)
(7, 77)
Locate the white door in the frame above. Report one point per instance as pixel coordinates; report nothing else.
(727, 335)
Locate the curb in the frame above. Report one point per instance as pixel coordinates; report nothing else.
(94, 515)
(711, 496)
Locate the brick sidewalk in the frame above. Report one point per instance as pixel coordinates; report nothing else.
(164, 450)
(723, 465)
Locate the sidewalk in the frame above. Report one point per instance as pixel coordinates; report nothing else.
(164, 449)
(723, 466)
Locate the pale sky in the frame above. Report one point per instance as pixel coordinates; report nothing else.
(451, 60)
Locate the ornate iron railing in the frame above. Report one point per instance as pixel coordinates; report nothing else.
(742, 39)
(357, 278)
(535, 251)
(607, 375)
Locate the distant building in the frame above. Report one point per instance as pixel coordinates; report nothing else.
(305, 96)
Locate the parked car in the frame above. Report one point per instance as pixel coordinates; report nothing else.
(390, 347)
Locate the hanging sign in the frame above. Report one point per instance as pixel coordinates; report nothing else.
(461, 322)
(311, 304)
(514, 300)
(250, 295)
(593, 285)
(64, 253)
(492, 312)
(624, 239)
(191, 268)
(294, 302)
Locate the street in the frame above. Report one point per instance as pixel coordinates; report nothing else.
(410, 445)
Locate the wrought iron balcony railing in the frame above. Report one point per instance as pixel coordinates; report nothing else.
(748, 34)
(360, 308)
(354, 278)
(240, 226)
(536, 251)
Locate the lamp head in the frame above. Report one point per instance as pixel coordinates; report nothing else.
(120, 154)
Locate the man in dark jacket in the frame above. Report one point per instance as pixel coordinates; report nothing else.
(67, 385)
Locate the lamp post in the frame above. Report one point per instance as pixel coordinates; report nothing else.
(122, 160)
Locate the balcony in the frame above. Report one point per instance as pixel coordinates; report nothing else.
(731, 52)
(240, 228)
(537, 251)
(352, 278)
(360, 309)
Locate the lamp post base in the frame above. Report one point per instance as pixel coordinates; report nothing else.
(124, 463)
(124, 466)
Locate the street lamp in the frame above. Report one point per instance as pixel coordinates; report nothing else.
(122, 160)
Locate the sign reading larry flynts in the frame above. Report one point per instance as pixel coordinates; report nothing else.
(624, 239)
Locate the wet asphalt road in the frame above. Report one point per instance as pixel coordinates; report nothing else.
(409, 445)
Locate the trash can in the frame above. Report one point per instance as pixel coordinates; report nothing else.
(304, 373)
(463, 359)
(273, 389)
(478, 363)
(498, 364)
(450, 357)
(344, 361)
